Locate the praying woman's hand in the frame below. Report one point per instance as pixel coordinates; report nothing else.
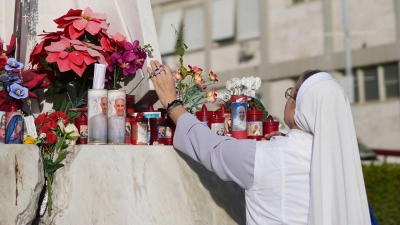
(164, 83)
(274, 133)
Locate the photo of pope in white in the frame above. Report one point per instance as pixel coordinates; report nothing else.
(239, 116)
(98, 122)
(116, 122)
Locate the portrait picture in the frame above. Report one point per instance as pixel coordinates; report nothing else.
(162, 132)
(2, 126)
(239, 111)
(97, 114)
(14, 128)
(254, 129)
(218, 128)
(116, 117)
(168, 132)
(128, 129)
(228, 124)
(84, 131)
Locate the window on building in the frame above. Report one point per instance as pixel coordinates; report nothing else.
(193, 30)
(356, 94)
(223, 20)
(248, 24)
(293, 2)
(391, 72)
(167, 36)
(371, 83)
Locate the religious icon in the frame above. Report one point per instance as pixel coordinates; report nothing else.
(162, 132)
(2, 127)
(116, 117)
(84, 131)
(97, 114)
(254, 129)
(239, 116)
(14, 128)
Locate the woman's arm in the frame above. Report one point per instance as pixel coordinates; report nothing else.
(229, 158)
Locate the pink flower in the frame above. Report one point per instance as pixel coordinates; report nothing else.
(77, 23)
(210, 96)
(177, 75)
(70, 55)
(195, 70)
(213, 76)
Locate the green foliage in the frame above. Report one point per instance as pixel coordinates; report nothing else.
(63, 106)
(383, 186)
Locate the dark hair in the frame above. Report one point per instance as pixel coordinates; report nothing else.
(308, 73)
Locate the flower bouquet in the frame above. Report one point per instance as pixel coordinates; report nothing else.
(68, 56)
(246, 86)
(12, 88)
(55, 134)
(190, 85)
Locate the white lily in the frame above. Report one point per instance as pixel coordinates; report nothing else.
(73, 131)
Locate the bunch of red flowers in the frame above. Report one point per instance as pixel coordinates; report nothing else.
(83, 41)
(46, 123)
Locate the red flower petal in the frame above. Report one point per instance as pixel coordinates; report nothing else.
(80, 47)
(103, 25)
(44, 84)
(78, 69)
(52, 57)
(76, 58)
(106, 44)
(88, 59)
(63, 54)
(70, 12)
(32, 95)
(64, 64)
(55, 47)
(31, 84)
(80, 24)
(93, 27)
(74, 33)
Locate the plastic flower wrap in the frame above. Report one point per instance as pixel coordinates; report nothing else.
(190, 85)
(55, 134)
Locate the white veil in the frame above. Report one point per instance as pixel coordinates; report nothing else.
(336, 181)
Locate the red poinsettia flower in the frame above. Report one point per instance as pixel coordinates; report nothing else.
(119, 39)
(33, 79)
(76, 22)
(39, 51)
(3, 61)
(69, 55)
(9, 51)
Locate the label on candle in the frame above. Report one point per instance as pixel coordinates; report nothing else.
(254, 128)
(30, 126)
(218, 128)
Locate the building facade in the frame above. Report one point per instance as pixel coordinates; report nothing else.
(277, 40)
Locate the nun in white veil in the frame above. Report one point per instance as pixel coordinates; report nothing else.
(337, 190)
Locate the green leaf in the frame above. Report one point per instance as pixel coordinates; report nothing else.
(45, 64)
(61, 156)
(54, 168)
(181, 51)
(183, 71)
(59, 143)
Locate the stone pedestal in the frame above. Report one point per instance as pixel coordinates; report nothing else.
(21, 181)
(123, 185)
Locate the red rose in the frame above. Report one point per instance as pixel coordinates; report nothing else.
(51, 138)
(48, 126)
(40, 119)
(55, 116)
